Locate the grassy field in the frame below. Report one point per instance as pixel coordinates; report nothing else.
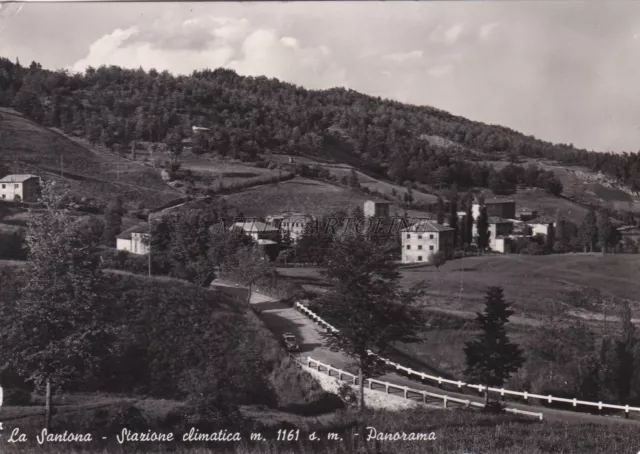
(373, 184)
(300, 194)
(209, 171)
(87, 171)
(454, 431)
(578, 188)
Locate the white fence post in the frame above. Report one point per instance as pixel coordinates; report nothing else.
(444, 401)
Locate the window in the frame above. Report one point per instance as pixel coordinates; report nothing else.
(419, 247)
(419, 258)
(430, 237)
(17, 185)
(4, 196)
(408, 246)
(419, 237)
(408, 234)
(431, 248)
(4, 186)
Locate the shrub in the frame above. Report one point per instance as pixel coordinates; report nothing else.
(125, 261)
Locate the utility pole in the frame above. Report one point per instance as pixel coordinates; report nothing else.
(149, 240)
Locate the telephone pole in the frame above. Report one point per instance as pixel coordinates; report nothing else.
(149, 241)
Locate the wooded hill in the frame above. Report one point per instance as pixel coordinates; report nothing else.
(252, 115)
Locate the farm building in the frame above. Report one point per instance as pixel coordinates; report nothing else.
(258, 231)
(294, 224)
(376, 209)
(502, 208)
(20, 188)
(425, 238)
(134, 240)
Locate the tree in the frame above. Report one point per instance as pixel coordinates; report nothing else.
(468, 225)
(492, 358)
(112, 222)
(453, 220)
(440, 214)
(550, 238)
(588, 231)
(625, 349)
(248, 266)
(61, 329)
(438, 259)
(482, 226)
(354, 182)
(368, 303)
(189, 251)
(604, 229)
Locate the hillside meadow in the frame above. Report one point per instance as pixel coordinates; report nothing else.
(87, 171)
(301, 195)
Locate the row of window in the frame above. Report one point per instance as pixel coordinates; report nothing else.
(419, 236)
(419, 247)
(16, 185)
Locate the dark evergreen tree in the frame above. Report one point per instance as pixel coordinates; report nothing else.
(588, 231)
(482, 225)
(492, 358)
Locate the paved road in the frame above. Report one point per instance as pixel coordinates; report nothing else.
(281, 318)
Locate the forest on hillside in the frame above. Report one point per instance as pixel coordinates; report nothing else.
(256, 115)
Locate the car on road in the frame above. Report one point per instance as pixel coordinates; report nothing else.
(290, 342)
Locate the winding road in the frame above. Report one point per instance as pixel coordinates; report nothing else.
(281, 318)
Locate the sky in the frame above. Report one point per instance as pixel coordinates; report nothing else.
(566, 72)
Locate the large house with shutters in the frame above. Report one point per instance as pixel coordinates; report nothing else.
(425, 238)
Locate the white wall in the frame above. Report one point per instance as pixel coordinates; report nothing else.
(8, 191)
(123, 244)
(137, 243)
(429, 241)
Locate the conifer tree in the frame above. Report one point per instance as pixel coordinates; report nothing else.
(492, 358)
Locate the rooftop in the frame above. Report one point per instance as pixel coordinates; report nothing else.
(140, 228)
(542, 220)
(254, 226)
(379, 202)
(497, 220)
(427, 225)
(495, 201)
(17, 178)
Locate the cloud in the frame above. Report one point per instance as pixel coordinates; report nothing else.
(563, 71)
(452, 34)
(487, 29)
(404, 57)
(440, 70)
(182, 46)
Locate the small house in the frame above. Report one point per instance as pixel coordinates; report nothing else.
(20, 188)
(134, 240)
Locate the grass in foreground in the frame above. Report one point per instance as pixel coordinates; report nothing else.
(455, 432)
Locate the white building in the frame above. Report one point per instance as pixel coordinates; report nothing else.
(499, 232)
(19, 188)
(293, 224)
(257, 230)
(425, 238)
(376, 209)
(134, 240)
(540, 227)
